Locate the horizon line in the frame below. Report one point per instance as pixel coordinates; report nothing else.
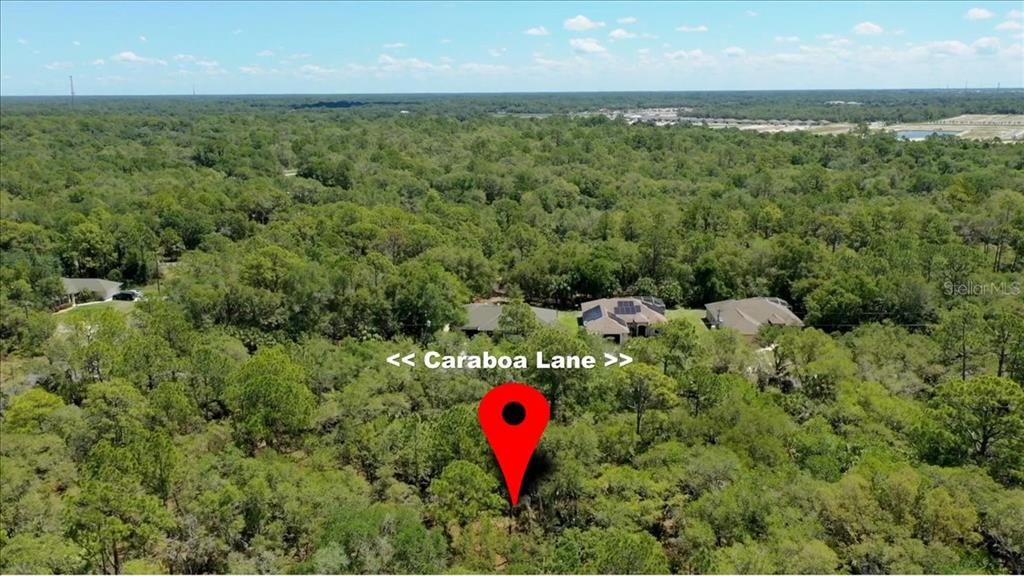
(520, 92)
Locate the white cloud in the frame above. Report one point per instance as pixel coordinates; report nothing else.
(978, 14)
(751, 13)
(99, 62)
(868, 29)
(941, 48)
(252, 70)
(787, 39)
(1009, 25)
(537, 31)
(734, 52)
(132, 58)
(621, 34)
(22, 41)
(142, 38)
(496, 52)
(695, 57)
(391, 64)
(316, 70)
(587, 45)
(184, 58)
(826, 36)
(478, 68)
(1015, 14)
(628, 20)
(698, 28)
(446, 40)
(788, 58)
(58, 65)
(395, 45)
(207, 63)
(581, 23)
(986, 45)
(265, 53)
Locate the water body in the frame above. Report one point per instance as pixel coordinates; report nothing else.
(922, 134)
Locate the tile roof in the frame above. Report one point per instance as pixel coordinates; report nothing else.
(748, 315)
(612, 316)
(484, 317)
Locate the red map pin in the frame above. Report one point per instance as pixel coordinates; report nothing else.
(513, 417)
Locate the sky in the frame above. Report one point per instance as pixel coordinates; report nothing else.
(405, 47)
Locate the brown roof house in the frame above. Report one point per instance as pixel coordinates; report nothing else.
(749, 315)
(484, 317)
(620, 318)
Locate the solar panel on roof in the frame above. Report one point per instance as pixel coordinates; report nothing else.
(654, 303)
(627, 307)
(592, 314)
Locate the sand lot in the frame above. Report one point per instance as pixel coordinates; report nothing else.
(1007, 127)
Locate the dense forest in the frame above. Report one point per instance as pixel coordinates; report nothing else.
(241, 417)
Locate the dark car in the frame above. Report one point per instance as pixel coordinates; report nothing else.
(128, 295)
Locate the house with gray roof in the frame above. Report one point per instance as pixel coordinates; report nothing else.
(484, 317)
(620, 318)
(749, 315)
(103, 289)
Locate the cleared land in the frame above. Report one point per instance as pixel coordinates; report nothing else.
(972, 126)
(1006, 127)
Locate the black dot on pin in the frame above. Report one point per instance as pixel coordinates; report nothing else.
(513, 413)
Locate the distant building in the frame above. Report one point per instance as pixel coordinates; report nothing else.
(484, 317)
(748, 315)
(103, 289)
(619, 318)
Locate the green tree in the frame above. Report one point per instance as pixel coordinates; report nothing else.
(464, 493)
(678, 338)
(981, 421)
(641, 388)
(115, 521)
(558, 386)
(517, 319)
(1005, 326)
(702, 388)
(28, 411)
(962, 336)
(41, 554)
(269, 401)
(609, 551)
(426, 298)
(380, 539)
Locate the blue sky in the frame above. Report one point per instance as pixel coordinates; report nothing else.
(266, 47)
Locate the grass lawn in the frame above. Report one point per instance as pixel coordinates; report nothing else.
(694, 316)
(568, 318)
(86, 311)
